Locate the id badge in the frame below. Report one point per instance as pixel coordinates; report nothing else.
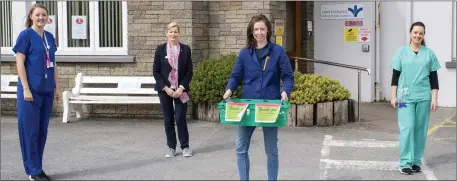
(48, 62)
(51, 64)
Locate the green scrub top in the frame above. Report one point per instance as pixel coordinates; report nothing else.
(414, 81)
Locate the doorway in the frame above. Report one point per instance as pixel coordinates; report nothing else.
(299, 42)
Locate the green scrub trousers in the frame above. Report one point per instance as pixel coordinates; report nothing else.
(413, 123)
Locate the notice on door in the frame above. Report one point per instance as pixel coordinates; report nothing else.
(364, 35)
(351, 34)
(79, 27)
(51, 25)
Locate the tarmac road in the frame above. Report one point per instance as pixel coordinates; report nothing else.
(134, 149)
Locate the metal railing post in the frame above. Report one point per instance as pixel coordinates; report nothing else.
(296, 64)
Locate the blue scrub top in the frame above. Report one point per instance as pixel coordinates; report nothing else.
(262, 78)
(32, 45)
(414, 81)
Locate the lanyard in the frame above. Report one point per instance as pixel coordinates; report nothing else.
(48, 59)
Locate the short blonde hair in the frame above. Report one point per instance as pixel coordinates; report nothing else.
(171, 25)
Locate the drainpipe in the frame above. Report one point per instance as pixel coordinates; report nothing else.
(409, 19)
(453, 23)
(377, 51)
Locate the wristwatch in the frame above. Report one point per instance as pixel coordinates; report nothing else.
(182, 87)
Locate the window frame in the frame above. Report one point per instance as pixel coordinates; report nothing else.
(62, 26)
(9, 49)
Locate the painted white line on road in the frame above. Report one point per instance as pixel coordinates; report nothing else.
(327, 163)
(365, 144)
(361, 165)
(427, 171)
(325, 154)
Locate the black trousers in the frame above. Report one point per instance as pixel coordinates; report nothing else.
(171, 114)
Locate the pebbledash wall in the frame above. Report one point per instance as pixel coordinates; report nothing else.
(210, 28)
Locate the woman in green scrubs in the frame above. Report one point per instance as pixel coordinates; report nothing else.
(414, 94)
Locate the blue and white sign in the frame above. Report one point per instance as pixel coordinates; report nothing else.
(342, 11)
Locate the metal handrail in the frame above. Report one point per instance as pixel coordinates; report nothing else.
(359, 70)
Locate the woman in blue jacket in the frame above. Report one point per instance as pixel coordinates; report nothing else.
(37, 85)
(261, 65)
(415, 91)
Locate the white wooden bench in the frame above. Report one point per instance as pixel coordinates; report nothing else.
(127, 90)
(9, 91)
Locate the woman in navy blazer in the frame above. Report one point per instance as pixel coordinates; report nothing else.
(173, 72)
(260, 66)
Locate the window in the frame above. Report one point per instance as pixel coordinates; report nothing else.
(6, 24)
(82, 27)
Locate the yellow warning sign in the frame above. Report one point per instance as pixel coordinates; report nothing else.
(351, 34)
(279, 40)
(279, 28)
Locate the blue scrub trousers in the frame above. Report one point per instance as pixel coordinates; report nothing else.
(413, 124)
(33, 121)
(243, 141)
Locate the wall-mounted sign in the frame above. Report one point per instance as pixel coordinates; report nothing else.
(51, 25)
(79, 27)
(351, 34)
(279, 28)
(364, 34)
(353, 23)
(342, 11)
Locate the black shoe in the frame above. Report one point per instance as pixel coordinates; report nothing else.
(406, 171)
(416, 168)
(40, 176)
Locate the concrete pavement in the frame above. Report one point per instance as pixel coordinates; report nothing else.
(95, 149)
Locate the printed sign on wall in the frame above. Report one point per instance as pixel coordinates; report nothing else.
(79, 27)
(364, 35)
(342, 11)
(353, 23)
(51, 25)
(279, 28)
(351, 34)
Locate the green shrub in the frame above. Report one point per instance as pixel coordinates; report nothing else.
(313, 88)
(210, 78)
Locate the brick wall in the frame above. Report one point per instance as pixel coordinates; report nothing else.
(210, 28)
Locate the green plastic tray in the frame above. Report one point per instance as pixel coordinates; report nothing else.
(248, 118)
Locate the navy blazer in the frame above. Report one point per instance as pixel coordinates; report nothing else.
(161, 68)
(262, 79)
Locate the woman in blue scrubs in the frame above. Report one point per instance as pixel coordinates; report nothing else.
(37, 85)
(260, 65)
(415, 93)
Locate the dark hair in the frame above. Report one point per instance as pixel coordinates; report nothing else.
(417, 24)
(250, 37)
(29, 22)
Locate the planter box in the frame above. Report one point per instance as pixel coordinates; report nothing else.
(340, 112)
(324, 114)
(206, 112)
(305, 115)
(292, 116)
(201, 108)
(352, 108)
(212, 112)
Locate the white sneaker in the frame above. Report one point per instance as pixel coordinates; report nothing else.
(170, 153)
(187, 152)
